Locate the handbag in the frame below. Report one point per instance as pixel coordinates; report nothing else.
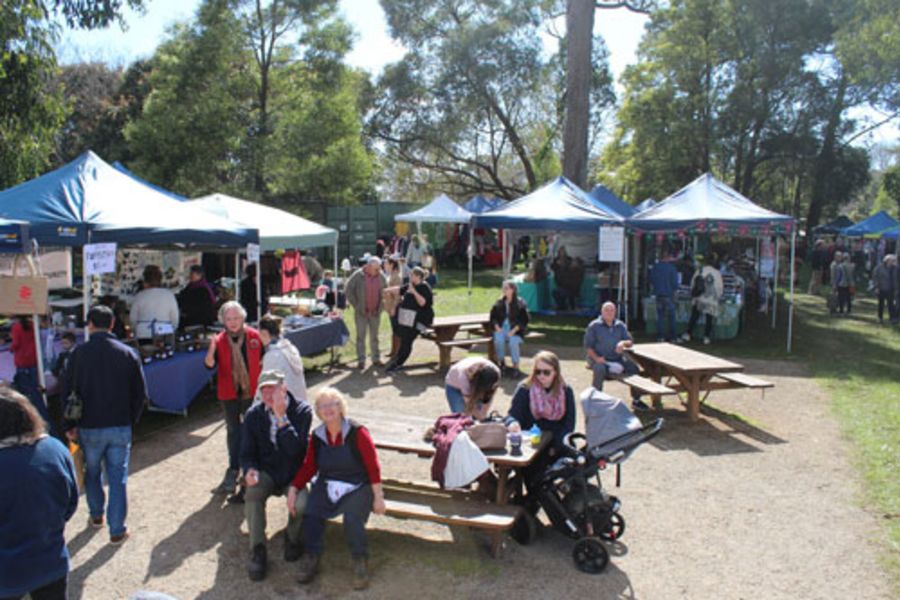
(74, 403)
(489, 434)
(406, 317)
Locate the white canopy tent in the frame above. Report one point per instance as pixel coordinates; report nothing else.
(278, 229)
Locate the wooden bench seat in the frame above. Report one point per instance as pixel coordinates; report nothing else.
(465, 342)
(745, 380)
(535, 335)
(647, 386)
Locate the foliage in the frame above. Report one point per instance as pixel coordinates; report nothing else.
(32, 107)
(90, 89)
(475, 106)
(90, 14)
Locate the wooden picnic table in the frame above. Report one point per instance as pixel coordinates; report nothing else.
(445, 329)
(694, 372)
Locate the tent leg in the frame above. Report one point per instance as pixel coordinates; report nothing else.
(258, 290)
(775, 283)
(470, 252)
(39, 353)
(334, 277)
(790, 326)
(237, 275)
(86, 291)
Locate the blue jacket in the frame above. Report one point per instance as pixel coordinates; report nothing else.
(37, 496)
(257, 450)
(520, 411)
(664, 279)
(110, 381)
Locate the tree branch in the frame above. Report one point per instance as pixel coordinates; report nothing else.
(644, 7)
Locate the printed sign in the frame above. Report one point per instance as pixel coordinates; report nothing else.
(611, 244)
(99, 258)
(253, 253)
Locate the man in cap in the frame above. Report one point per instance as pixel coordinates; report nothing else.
(364, 293)
(273, 446)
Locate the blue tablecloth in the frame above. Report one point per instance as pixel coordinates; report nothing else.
(173, 383)
(312, 335)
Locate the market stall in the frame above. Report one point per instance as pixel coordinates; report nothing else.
(707, 207)
(559, 207)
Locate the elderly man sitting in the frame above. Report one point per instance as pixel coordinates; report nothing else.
(273, 446)
(605, 340)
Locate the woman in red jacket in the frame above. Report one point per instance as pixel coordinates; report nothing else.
(25, 358)
(237, 352)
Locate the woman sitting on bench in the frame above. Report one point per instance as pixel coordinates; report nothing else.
(509, 318)
(349, 483)
(544, 399)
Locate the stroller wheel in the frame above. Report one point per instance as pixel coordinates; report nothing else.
(525, 529)
(590, 556)
(615, 529)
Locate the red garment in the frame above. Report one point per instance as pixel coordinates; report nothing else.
(293, 273)
(24, 353)
(364, 444)
(373, 294)
(224, 384)
(446, 429)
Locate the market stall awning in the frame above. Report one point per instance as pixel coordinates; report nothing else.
(877, 223)
(13, 236)
(88, 200)
(120, 167)
(833, 227)
(891, 234)
(480, 204)
(608, 200)
(558, 205)
(440, 210)
(278, 229)
(706, 204)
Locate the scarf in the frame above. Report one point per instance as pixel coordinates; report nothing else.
(239, 375)
(544, 405)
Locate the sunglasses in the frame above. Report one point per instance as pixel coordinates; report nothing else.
(544, 372)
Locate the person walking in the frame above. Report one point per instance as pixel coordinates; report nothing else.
(818, 262)
(364, 291)
(273, 446)
(390, 298)
(843, 282)
(38, 495)
(664, 281)
(237, 352)
(706, 289)
(885, 277)
(107, 376)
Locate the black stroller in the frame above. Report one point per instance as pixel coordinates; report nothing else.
(581, 509)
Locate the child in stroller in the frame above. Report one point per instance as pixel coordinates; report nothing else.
(578, 507)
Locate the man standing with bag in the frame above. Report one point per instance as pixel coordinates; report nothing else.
(107, 377)
(364, 293)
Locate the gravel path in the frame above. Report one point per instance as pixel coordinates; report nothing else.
(764, 505)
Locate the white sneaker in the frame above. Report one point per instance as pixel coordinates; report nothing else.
(706, 341)
(685, 337)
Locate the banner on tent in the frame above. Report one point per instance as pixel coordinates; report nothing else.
(56, 266)
(99, 258)
(611, 244)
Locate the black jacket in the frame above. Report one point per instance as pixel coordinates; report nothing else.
(257, 450)
(520, 410)
(110, 380)
(518, 314)
(197, 307)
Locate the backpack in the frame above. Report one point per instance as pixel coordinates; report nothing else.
(698, 286)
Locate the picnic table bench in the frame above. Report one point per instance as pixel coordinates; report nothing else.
(443, 332)
(426, 501)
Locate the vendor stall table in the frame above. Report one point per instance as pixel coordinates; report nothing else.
(538, 295)
(174, 382)
(727, 325)
(312, 335)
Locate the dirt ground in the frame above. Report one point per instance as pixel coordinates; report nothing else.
(761, 505)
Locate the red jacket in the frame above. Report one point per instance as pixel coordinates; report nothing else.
(24, 353)
(225, 385)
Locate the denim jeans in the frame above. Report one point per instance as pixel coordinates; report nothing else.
(665, 313)
(112, 447)
(500, 340)
(25, 381)
(455, 399)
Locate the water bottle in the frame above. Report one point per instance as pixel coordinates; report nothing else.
(535, 434)
(515, 443)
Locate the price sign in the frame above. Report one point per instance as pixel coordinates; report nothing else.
(99, 258)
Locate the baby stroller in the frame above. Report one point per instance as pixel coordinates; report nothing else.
(580, 508)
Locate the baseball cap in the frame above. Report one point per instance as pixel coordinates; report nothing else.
(270, 377)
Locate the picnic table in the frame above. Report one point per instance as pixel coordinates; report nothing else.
(693, 372)
(403, 433)
(444, 331)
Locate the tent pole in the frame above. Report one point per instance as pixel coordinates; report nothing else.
(335, 275)
(775, 283)
(85, 284)
(471, 251)
(259, 288)
(625, 269)
(791, 305)
(237, 275)
(38, 346)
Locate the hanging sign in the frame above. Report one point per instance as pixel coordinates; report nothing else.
(611, 244)
(99, 258)
(253, 253)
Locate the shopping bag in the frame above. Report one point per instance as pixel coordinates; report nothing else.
(406, 317)
(23, 294)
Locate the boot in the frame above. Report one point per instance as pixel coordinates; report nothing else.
(309, 566)
(228, 483)
(292, 550)
(360, 573)
(256, 568)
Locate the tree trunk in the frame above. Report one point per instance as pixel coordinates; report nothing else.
(579, 36)
(825, 161)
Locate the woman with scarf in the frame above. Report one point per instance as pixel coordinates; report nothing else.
(282, 355)
(237, 352)
(38, 495)
(545, 400)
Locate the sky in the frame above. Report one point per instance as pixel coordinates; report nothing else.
(374, 48)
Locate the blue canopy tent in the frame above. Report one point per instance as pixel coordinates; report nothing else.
(708, 205)
(120, 167)
(833, 227)
(891, 234)
(875, 224)
(603, 196)
(480, 204)
(648, 203)
(559, 205)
